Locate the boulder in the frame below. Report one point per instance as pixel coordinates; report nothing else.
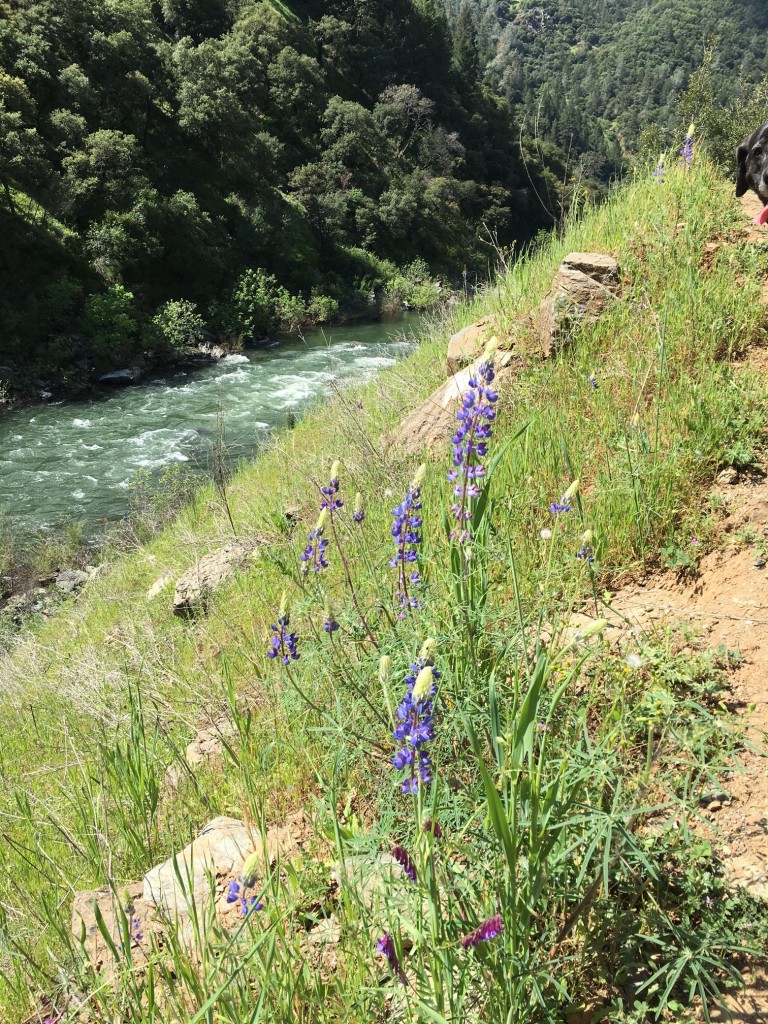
(467, 344)
(432, 423)
(195, 586)
(130, 375)
(181, 882)
(66, 580)
(160, 584)
(584, 284)
(128, 911)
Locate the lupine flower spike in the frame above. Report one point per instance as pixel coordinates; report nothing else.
(330, 625)
(686, 151)
(359, 511)
(564, 505)
(415, 728)
(586, 552)
(283, 642)
(484, 933)
(470, 442)
(406, 531)
(330, 501)
(237, 890)
(660, 174)
(314, 552)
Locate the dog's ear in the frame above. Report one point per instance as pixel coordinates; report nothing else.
(742, 152)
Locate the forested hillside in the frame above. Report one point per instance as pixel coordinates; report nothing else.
(591, 75)
(168, 166)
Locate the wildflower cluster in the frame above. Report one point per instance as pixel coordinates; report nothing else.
(237, 891)
(283, 642)
(415, 726)
(484, 933)
(330, 501)
(660, 173)
(593, 382)
(470, 443)
(406, 530)
(358, 513)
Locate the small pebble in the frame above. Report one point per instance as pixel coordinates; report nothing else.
(714, 806)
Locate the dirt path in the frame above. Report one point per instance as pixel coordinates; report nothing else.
(727, 604)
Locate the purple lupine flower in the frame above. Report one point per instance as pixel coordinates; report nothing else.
(406, 531)
(470, 444)
(314, 553)
(330, 625)
(660, 173)
(586, 552)
(283, 642)
(686, 151)
(593, 382)
(415, 726)
(237, 893)
(484, 933)
(330, 501)
(403, 859)
(564, 505)
(386, 946)
(359, 512)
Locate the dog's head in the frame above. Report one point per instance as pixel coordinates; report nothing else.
(752, 164)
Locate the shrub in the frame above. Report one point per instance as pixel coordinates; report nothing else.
(178, 324)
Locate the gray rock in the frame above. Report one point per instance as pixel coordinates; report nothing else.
(466, 345)
(130, 375)
(583, 286)
(70, 580)
(181, 882)
(193, 589)
(728, 477)
(115, 911)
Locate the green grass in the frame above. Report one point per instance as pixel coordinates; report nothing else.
(98, 701)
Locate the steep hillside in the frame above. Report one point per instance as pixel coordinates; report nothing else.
(591, 74)
(547, 864)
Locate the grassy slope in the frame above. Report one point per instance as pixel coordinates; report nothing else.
(672, 405)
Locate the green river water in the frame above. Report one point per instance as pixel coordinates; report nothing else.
(77, 460)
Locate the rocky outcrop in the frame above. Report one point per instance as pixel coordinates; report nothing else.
(194, 588)
(467, 344)
(583, 286)
(432, 423)
(131, 375)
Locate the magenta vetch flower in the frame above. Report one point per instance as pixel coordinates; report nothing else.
(484, 933)
(403, 859)
(386, 946)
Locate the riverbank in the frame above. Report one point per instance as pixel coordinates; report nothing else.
(551, 864)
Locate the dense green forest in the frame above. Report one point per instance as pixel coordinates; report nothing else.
(173, 165)
(593, 76)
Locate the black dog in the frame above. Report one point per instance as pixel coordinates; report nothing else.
(752, 164)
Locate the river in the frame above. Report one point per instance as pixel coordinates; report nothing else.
(77, 460)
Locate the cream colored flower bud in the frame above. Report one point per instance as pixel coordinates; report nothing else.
(571, 492)
(249, 873)
(491, 349)
(322, 520)
(283, 610)
(335, 470)
(418, 479)
(586, 537)
(636, 421)
(423, 684)
(428, 649)
(385, 668)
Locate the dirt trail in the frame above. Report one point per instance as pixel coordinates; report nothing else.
(727, 603)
